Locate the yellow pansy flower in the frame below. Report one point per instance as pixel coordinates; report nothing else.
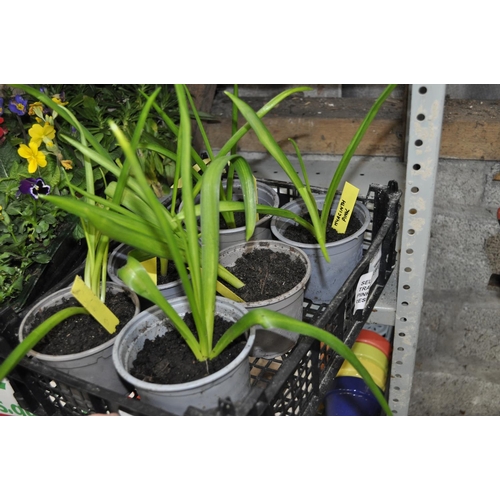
(67, 164)
(41, 134)
(58, 101)
(35, 158)
(34, 107)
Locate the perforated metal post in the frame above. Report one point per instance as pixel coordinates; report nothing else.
(425, 120)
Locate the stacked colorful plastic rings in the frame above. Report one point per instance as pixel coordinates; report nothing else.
(350, 396)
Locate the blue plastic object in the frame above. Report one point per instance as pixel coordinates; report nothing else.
(351, 396)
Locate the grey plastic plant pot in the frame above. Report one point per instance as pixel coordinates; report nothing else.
(95, 365)
(274, 342)
(232, 382)
(118, 258)
(266, 196)
(326, 277)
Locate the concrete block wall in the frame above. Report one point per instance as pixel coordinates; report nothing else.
(458, 355)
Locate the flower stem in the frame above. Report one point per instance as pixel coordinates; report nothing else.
(22, 128)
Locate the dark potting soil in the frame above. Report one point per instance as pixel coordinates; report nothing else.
(301, 235)
(239, 217)
(239, 220)
(81, 332)
(172, 274)
(168, 359)
(266, 274)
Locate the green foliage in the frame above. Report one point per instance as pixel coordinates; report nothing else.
(231, 146)
(27, 226)
(319, 218)
(95, 105)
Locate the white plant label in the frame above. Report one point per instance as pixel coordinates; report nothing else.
(365, 282)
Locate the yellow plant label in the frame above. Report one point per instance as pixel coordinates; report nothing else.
(150, 266)
(94, 306)
(345, 208)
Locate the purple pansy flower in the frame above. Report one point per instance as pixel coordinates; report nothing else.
(1, 105)
(18, 105)
(33, 187)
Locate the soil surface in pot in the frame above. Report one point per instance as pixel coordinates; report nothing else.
(172, 274)
(266, 274)
(81, 332)
(239, 220)
(301, 235)
(168, 359)
(239, 217)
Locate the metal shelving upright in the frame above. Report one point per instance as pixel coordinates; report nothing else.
(423, 138)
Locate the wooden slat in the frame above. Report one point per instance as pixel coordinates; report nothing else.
(318, 125)
(319, 136)
(203, 95)
(471, 129)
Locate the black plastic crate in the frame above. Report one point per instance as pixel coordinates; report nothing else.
(293, 384)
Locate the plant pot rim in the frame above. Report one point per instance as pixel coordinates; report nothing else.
(270, 244)
(360, 206)
(82, 354)
(262, 219)
(185, 386)
(112, 267)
